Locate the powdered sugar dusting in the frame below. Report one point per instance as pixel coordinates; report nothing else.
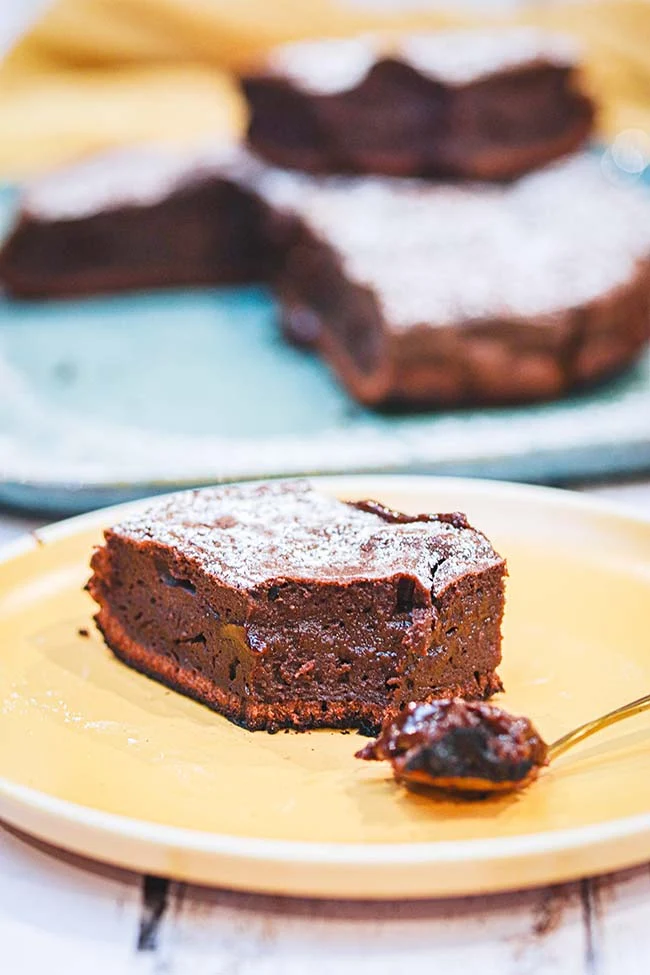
(325, 67)
(434, 254)
(454, 57)
(458, 57)
(139, 176)
(446, 254)
(255, 534)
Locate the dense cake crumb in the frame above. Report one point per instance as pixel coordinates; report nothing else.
(280, 606)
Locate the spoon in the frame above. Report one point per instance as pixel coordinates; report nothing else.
(472, 749)
(589, 728)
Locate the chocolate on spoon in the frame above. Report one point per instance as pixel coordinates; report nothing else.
(473, 749)
(465, 747)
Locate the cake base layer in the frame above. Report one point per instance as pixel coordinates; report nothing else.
(493, 362)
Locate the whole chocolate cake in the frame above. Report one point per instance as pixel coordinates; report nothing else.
(483, 104)
(279, 606)
(447, 295)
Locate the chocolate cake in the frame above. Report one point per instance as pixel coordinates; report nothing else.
(446, 295)
(138, 218)
(279, 606)
(416, 294)
(463, 747)
(484, 104)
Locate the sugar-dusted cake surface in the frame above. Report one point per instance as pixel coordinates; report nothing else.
(131, 176)
(471, 293)
(453, 57)
(252, 535)
(280, 606)
(444, 253)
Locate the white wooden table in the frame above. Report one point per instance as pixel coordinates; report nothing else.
(60, 914)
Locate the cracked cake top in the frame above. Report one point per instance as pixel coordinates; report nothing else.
(253, 534)
(555, 239)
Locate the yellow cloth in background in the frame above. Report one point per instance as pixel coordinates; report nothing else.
(99, 73)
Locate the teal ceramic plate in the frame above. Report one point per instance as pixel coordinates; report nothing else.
(107, 399)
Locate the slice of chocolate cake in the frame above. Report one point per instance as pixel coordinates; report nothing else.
(483, 104)
(476, 294)
(279, 606)
(138, 218)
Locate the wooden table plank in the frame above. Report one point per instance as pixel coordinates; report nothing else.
(62, 914)
(210, 932)
(621, 923)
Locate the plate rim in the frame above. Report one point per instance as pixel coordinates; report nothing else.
(37, 813)
(477, 485)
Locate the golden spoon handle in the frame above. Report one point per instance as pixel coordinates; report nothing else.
(591, 727)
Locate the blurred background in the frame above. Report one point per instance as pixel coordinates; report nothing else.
(108, 397)
(96, 73)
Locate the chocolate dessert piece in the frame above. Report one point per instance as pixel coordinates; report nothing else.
(138, 218)
(456, 295)
(484, 104)
(463, 747)
(416, 294)
(279, 606)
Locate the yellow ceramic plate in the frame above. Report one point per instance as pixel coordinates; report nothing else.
(102, 761)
